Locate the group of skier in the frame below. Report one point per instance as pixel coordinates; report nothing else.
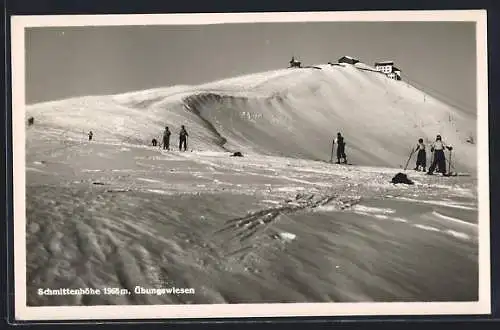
(438, 147)
(183, 135)
(438, 162)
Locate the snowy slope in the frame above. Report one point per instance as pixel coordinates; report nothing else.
(289, 112)
(118, 213)
(217, 224)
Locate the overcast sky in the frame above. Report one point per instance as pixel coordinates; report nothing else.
(75, 61)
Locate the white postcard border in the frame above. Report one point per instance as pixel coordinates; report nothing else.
(23, 312)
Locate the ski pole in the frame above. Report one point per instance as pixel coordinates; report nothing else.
(331, 157)
(408, 161)
(449, 164)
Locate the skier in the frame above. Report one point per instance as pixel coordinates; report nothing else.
(91, 135)
(421, 156)
(154, 142)
(439, 159)
(166, 139)
(183, 135)
(340, 148)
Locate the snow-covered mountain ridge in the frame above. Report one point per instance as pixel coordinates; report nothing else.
(289, 112)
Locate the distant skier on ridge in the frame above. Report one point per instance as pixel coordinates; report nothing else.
(341, 149)
(439, 159)
(183, 135)
(91, 135)
(421, 156)
(166, 139)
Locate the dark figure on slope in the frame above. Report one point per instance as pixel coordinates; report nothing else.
(439, 159)
(183, 135)
(154, 142)
(421, 156)
(341, 149)
(166, 139)
(401, 178)
(91, 135)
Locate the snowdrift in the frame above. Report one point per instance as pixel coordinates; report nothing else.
(289, 112)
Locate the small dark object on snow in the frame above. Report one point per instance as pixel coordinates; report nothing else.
(118, 190)
(31, 121)
(294, 63)
(237, 154)
(98, 183)
(154, 142)
(401, 178)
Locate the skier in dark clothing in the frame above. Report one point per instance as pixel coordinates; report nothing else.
(183, 135)
(166, 139)
(341, 149)
(91, 135)
(154, 142)
(421, 156)
(439, 159)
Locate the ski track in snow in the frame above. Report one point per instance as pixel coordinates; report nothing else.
(384, 214)
(440, 203)
(453, 219)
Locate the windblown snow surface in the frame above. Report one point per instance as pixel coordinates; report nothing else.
(280, 224)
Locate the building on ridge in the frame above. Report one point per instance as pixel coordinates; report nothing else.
(394, 74)
(348, 60)
(388, 68)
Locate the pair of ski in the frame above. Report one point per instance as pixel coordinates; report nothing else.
(448, 174)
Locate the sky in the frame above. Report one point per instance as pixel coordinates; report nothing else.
(64, 62)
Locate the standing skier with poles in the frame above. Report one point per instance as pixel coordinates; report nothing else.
(183, 135)
(439, 159)
(341, 149)
(421, 156)
(166, 139)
